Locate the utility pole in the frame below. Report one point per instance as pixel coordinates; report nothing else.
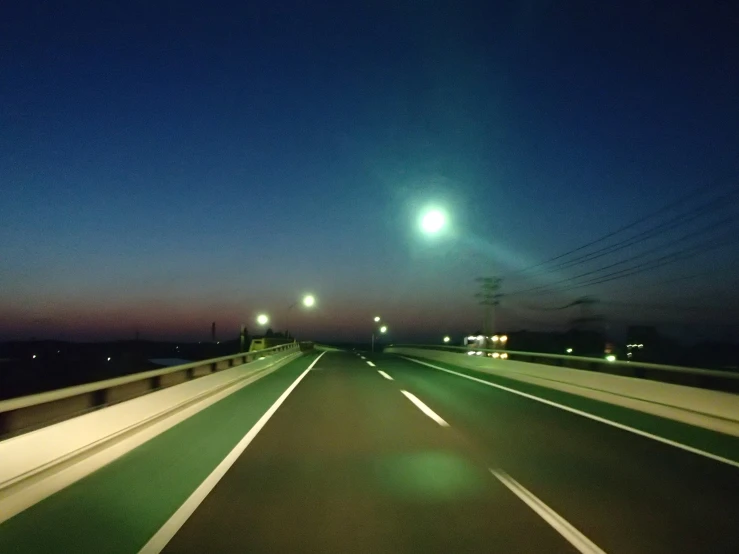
(241, 337)
(489, 298)
(213, 331)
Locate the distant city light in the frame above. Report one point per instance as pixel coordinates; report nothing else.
(433, 221)
(611, 358)
(504, 338)
(496, 355)
(504, 356)
(447, 339)
(569, 350)
(34, 356)
(496, 338)
(640, 346)
(108, 358)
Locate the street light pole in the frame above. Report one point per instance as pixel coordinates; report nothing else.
(381, 329)
(308, 301)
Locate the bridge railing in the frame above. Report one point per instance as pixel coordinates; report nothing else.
(26, 413)
(725, 381)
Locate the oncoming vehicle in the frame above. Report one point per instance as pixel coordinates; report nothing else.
(477, 344)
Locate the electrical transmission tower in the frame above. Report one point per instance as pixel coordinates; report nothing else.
(488, 298)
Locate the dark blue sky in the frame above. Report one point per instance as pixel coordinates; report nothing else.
(166, 166)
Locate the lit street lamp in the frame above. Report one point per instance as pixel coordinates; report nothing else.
(382, 329)
(308, 301)
(262, 319)
(447, 339)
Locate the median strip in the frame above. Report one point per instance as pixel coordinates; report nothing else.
(425, 409)
(561, 525)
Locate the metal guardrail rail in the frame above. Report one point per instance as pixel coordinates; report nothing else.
(46, 408)
(697, 377)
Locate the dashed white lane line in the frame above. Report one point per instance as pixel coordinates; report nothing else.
(587, 415)
(160, 539)
(561, 525)
(370, 363)
(425, 409)
(363, 357)
(385, 375)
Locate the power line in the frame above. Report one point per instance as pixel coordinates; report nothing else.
(681, 239)
(666, 208)
(654, 264)
(675, 222)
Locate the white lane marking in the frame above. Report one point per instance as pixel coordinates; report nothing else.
(370, 363)
(22, 496)
(599, 419)
(160, 539)
(363, 357)
(425, 409)
(385, 375)
(561, 525)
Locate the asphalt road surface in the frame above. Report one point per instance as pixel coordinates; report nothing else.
(385, 455)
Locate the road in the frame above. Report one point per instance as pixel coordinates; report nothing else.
(374, 453)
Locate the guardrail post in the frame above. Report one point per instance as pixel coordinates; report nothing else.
(214, 367)
(99, 398)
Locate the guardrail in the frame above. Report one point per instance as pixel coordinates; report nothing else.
(27, 413)
(725, 381)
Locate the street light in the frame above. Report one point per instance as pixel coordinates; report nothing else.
(382, 329)
(308, 301)
(262, 319)
(447, 339)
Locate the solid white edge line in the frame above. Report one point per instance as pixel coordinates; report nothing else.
(370, 363)
(160, 539)
(425, 409)
(561, 525)
(385, 375)
(621, 426)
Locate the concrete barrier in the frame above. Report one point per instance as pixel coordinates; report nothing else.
(27, 454)
(710, 409)
(24, 414)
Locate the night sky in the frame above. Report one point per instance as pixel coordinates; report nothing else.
(166, 164)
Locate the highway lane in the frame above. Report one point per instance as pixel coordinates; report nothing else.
(625, 492)
(380, 454)
(350, 464)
